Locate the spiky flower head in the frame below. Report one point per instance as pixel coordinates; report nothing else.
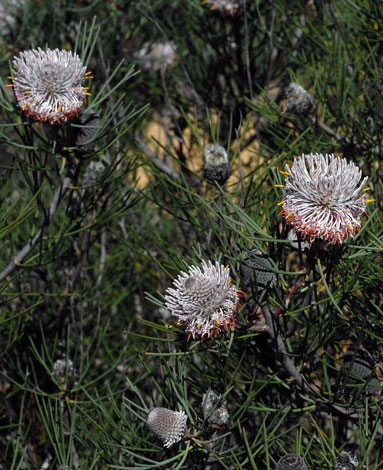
(203, 299)
(323, 197)
(216, 164)
(299, 100)
(48, 84)
(346, 461)
(225, 7)
(170, 426)
(291, 462)
(156, 56)
(214, 408)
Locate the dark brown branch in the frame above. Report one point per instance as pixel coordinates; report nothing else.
(159, 163)
(292, 369)
(58, 195)
(338, 137)
(287, 362)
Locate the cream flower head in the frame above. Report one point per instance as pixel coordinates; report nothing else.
(170, 426)
(48, 84)
(324, 197)
(203, 299)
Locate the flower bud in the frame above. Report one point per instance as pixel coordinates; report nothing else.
(255, 271)
(299, 101)
(216, 164)
(64, 371)
(170, 426)
(291, 462)
(211, 401)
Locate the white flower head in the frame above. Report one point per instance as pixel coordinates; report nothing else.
(324, 197)
(225, 7)
(48, 84)
(9, 11)
(299, 100)
(170, 426)
(156, 56)
(203, 299)
(64, 370)
(346, 461)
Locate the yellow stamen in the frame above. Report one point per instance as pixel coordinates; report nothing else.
(89, 94)
(85, 87)
(346, 210)
(8, 84)
(35, 101)
(170, 326)
(59, 109)
(88, 73)
(280, 203)
(22, 109)
(217, 321)
(199, 325)
(28, 91)
(366, 189)
(284, 173)
(350, 226)
(227, 266)
(279, 185)
(10, 78)
(314, 213)
(288, 215)
(370, 200)
(178, 323)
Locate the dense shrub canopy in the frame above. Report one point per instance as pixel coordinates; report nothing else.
(178, 169)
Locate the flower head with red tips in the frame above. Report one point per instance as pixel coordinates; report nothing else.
(48, 85)
(203, 299)
(324, 197)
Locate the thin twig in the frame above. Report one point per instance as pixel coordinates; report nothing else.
(290, 366)
(247, 56)
(338, 137)
(292, 291)
(101, 269)
(159, 163)
(287, 362)
(60, 191)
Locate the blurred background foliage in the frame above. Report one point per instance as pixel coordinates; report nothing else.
(96, 223)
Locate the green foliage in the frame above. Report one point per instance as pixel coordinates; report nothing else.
(93, 232)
